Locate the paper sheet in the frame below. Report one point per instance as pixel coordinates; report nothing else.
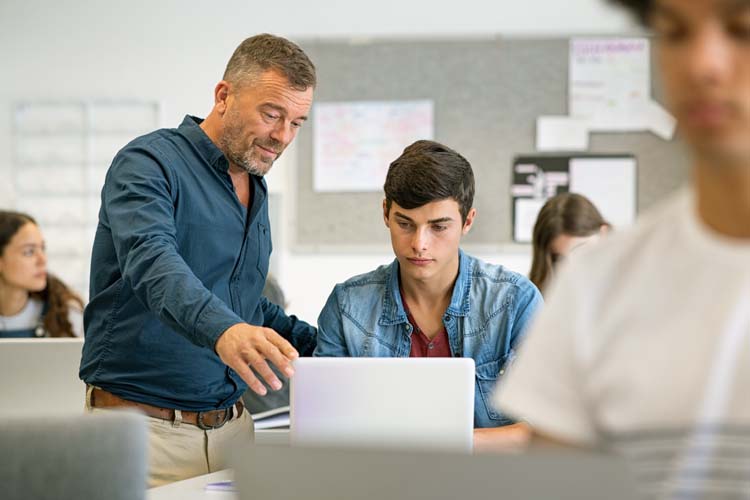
(272, 419)
(354, 142)
(561, 133)
(610, 86)
(610, 183)
(526, 211)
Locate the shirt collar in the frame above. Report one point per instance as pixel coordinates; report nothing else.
(190, 128)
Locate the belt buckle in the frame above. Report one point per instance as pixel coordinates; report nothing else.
(206, 427)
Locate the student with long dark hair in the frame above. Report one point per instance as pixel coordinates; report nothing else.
(565, 222)
(33, 303)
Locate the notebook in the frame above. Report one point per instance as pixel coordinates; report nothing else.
(277, 418)
(383, 402)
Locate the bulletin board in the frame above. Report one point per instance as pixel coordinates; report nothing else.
(486, 96)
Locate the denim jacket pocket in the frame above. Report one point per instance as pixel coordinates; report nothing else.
(487, 375)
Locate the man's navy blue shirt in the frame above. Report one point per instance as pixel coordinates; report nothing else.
(177, 260)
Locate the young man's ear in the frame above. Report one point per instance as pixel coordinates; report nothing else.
(469, 220)
(385, 212)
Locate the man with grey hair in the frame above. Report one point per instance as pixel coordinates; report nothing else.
(176, 326)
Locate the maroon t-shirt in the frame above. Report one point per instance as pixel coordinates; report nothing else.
(421, 345)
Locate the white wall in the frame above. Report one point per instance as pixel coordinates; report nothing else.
(174, 51)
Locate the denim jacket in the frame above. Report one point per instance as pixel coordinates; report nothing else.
(489, 311)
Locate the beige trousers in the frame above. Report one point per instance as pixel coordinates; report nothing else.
(180, 451)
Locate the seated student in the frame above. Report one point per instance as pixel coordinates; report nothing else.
(565, 222)
(255, 403)
(33, 303)
(644, 346)
(434, 300)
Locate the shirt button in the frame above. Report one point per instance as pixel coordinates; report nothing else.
(502, 371)
(407, 328)
(447, 318)
(430, 346)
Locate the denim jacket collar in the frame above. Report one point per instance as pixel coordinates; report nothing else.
(393, 308)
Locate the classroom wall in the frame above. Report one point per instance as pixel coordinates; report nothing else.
(174, 51)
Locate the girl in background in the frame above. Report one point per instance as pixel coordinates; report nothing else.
(33, 303)
(565, 222)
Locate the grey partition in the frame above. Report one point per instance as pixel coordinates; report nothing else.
(487, 95)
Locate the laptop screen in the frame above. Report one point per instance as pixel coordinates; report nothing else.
(383, 402)
(44, 374)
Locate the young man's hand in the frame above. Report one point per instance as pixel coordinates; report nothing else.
(506, 438)
(243, 346)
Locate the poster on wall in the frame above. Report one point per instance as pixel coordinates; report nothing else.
(354, 142)
(609, 181)
(609, 82)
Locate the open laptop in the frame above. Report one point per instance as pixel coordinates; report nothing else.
(383, 402)
(40, 377)
(92, 457)
(281, 473)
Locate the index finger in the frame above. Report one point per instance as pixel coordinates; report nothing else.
(284, 347)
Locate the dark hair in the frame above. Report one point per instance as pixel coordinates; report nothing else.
(57, 297)
(263, 52)
(428, 171)
(10, 224)
(641, 9)
(567, 213)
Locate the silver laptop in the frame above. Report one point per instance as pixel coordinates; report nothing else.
(281, 473)
(93, 457)
(41, 377)
(383, 402)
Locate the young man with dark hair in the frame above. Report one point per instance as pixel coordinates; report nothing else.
(644, 345)
(176, 319)
(434, 300)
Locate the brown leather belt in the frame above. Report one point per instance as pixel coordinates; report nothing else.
(206, 420)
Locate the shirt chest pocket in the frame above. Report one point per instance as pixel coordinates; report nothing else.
(264, 248)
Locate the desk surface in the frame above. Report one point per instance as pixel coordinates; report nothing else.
(193, 488)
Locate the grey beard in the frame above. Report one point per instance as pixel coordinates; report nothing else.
(252, 168)
(246, 163)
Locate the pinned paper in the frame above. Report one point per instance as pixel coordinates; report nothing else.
(610, 86)
(354, 142)
(525, 214)
(658, 120)
(609, 181)
(610, 184)
(561, 133)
